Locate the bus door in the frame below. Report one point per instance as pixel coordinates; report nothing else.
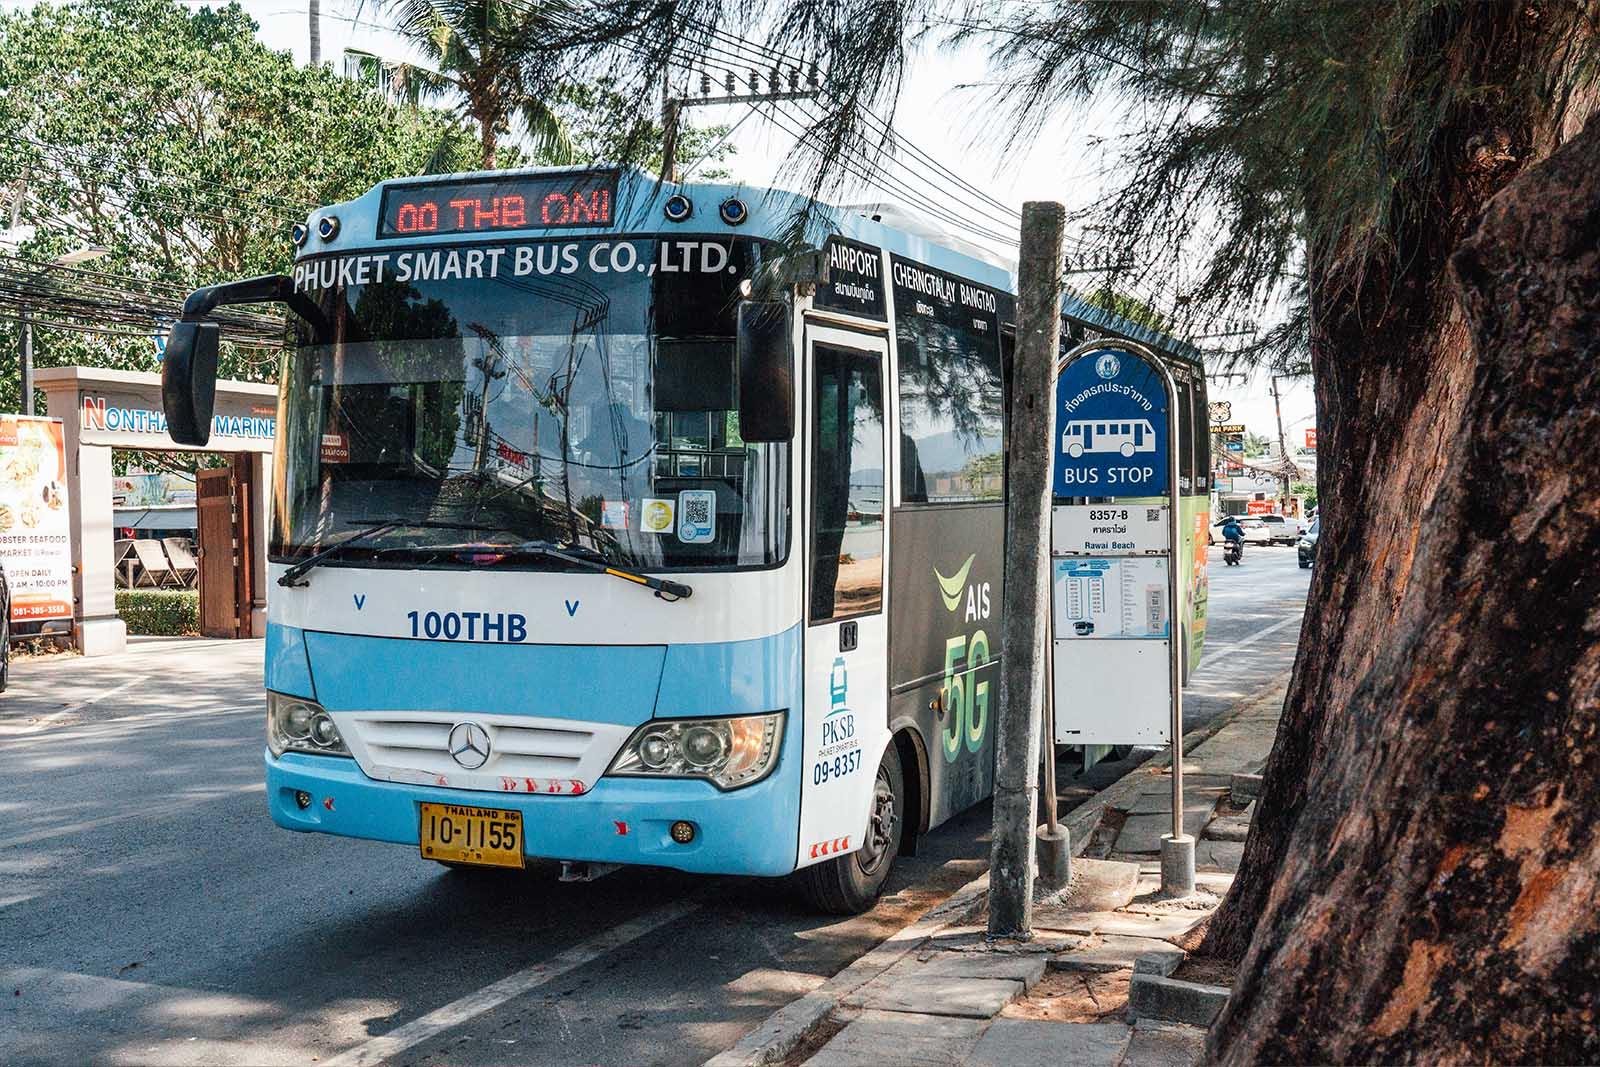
(846, 654)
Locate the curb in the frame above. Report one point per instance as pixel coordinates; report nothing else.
(787, 1028)
(783, 1031)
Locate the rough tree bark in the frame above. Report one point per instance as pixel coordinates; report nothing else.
(1393, 366)
(1441, 900)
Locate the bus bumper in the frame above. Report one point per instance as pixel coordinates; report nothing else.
(750, 831)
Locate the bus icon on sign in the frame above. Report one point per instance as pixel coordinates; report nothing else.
(1094, 435)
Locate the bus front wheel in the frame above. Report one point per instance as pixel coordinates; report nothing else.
(849, 885)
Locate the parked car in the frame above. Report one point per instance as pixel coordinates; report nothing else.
(1283, 530)
(1306, 547)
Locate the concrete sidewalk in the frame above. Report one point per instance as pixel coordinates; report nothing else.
(1105, 979)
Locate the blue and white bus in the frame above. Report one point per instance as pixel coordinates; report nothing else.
(604, 532)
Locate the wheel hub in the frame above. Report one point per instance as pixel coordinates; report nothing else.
(880, 825)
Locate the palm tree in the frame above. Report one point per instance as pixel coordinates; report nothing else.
(486, 57)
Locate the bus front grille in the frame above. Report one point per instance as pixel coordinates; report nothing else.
(525, 755)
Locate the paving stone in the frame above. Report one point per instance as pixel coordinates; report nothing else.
(1156, 1044)
(1108, 952)
(1194, 781)
(1218, 855)
(1017, 967)
(1245, 787)
(1099, 885)
(1151, 996)
(1033, 1043)
(1162, 960)
(1143, 833)
(1158, 803)
(877, 1038)
(1115, 922)
(978, 998)
(975, 940)
(1228, 828)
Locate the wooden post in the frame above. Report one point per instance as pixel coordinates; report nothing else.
(1022, 675)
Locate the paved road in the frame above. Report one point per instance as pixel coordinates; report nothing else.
(151, 913)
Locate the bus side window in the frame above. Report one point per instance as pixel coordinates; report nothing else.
(1185, 437)
(847, 463)
(950, 413)
(1202, 439)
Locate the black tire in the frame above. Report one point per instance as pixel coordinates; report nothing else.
(849, 885)
(1121, 752)
(1305, 564)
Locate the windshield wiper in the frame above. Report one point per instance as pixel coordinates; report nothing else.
(294, 577)
(589, 560)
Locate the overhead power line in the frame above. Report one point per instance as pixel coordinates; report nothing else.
(76, 298)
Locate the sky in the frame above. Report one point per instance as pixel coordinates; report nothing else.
(947, 122)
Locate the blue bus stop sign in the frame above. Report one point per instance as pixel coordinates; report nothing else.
(1111, 427)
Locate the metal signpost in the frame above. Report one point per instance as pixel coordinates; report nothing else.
(1116, 599)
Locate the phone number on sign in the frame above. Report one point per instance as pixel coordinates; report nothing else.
(837, 767)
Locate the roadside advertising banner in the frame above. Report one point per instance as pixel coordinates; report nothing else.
(1260, 507)
(35, 532)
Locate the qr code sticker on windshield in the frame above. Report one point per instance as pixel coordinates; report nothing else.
(697, 516)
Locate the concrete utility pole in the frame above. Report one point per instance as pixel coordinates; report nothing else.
(1283, 452)
(1027, 594)
(669, 133)
(27, 362)
(314, 8)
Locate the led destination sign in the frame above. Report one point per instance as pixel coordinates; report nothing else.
(544, 201)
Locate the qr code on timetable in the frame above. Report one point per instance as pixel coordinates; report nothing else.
(697, 511)
(1152, 514)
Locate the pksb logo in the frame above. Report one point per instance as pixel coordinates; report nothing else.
(965, 700)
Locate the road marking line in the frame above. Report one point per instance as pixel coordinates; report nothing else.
(508, 988)
(90, 730)
(40, 723)
(1224, 651)
(143, 812)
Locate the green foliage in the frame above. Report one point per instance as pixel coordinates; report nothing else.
(491, 63)
(609, 126)
(175, 140)
(1255, 445)
(1129, 307)
(1306, 491)
(160, 612)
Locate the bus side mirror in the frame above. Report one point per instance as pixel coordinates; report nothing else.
(765, 353)
(189, 381)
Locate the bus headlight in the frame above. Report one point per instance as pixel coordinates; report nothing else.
(728, 753)
(295, 725)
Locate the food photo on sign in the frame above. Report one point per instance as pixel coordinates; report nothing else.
(35, 537)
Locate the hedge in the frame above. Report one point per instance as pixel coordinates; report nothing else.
(161, 612)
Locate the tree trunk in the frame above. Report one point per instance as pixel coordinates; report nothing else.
(1393, 368)
(1441, 898)
(488, 143)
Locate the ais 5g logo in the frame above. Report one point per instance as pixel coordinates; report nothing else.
(966, 700)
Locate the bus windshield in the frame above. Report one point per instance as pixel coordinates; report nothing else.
(579, 394)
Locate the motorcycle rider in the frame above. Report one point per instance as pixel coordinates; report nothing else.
(1233, 534)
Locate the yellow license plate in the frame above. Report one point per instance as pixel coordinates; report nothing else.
(486, 837)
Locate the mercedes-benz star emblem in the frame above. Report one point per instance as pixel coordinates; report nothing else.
(469, 745)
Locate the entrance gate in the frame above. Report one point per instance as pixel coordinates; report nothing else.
(105, 409)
